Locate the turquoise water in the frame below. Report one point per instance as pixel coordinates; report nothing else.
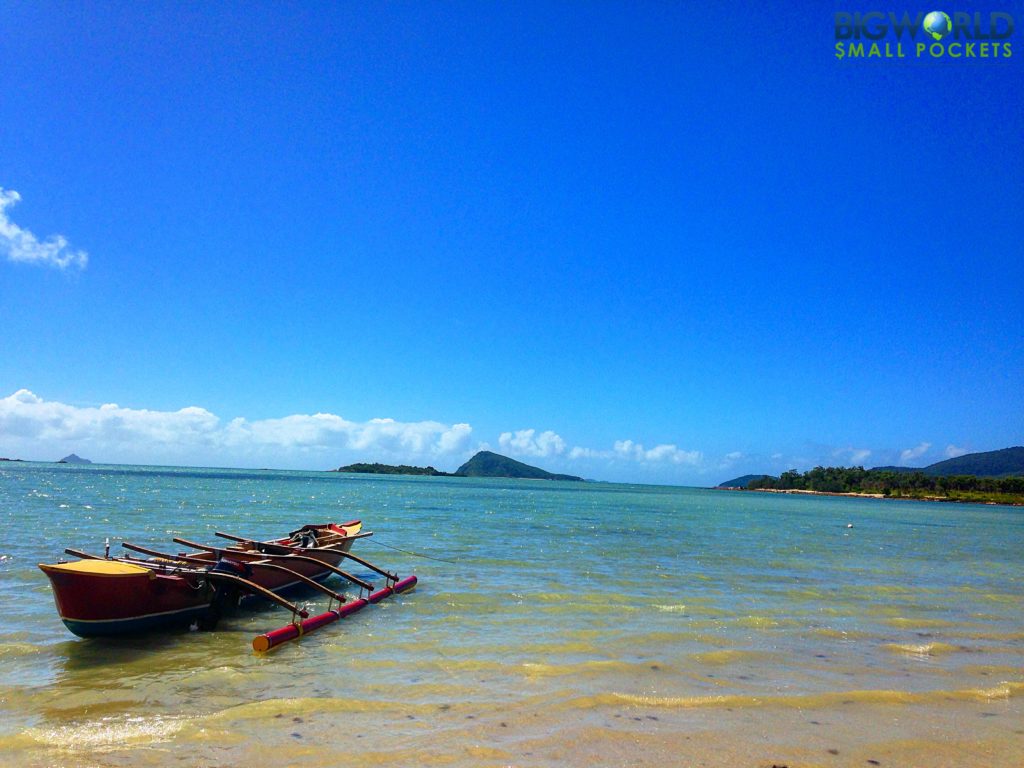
(554, 624)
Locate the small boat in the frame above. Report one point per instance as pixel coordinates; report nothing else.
(101, 596)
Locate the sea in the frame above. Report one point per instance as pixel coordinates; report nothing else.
(554, 624)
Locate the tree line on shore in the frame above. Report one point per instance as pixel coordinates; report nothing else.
(895, 484)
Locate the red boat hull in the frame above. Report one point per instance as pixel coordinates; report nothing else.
(98, 604)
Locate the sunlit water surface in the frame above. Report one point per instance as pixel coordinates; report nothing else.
(554, 624)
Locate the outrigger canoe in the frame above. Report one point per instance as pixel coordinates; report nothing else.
(99, 596)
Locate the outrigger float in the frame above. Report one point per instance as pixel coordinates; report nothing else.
(104, 596)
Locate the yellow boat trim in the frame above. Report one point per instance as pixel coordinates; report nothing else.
(97, 568)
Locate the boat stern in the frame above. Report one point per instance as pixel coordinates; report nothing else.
(112, 597)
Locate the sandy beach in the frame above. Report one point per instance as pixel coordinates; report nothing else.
(801, 492)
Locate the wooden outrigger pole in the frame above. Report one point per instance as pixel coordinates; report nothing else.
(214, 575)
(263, 556)
(312, 583)
(296, 629)
(269, 640)
(255, 588)
(348, 555)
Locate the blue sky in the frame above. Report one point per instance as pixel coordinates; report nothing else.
(656, 242)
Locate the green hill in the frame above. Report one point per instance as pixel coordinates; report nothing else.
(1002, 463)
(1006, 462)
(487, 464)
(739, 482)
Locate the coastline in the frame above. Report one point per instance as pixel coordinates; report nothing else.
(860, 495)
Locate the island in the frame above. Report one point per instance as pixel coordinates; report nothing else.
(390, 469)
(488, 464)
(74, 459)
(483, 464)
(991, 477)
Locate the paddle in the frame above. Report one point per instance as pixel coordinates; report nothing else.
(290, 556)
(153, 565)
(153, 553)
(220, 575)
(194, 545)
(272, 546)
(364, 563)
(137, 561)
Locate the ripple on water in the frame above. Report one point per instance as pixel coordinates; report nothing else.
(1002, 691)
(921, 649)
(107, 733)
(9, 650)
(729, 656)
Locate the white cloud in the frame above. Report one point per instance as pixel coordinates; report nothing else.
(525, 442)
(578, 452)
(913, 453)
(730, 459)
(21, 245)
(627, 449)
(852, 456)
(26, 415)
(953, 451)
(112, 433)
(454, 439)
(34, 428)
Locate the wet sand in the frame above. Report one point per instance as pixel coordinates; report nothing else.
(312, 732)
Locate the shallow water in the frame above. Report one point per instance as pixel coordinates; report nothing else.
(557, 624)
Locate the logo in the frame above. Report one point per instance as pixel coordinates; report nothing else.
(937, 24)
(908, 34)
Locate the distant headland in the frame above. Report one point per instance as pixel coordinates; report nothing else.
(483, 464)
(990, 477)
